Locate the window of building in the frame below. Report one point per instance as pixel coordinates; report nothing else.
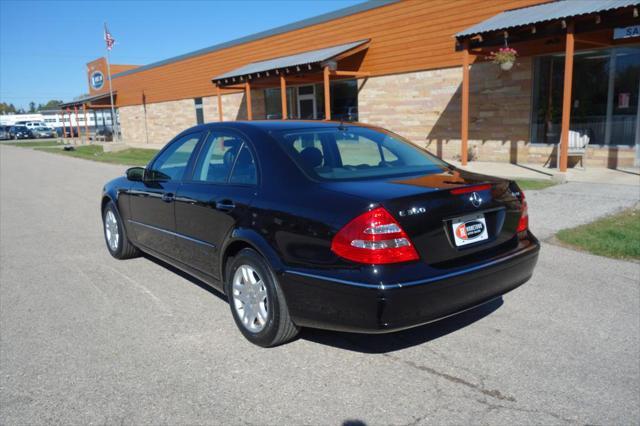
(605, 96)
(199, 111)
(307, 101)
(273, 103)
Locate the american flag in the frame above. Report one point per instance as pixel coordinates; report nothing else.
(108, 39)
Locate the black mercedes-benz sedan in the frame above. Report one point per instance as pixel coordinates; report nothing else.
(322, 224)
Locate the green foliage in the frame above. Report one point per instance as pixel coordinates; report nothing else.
(616, 236)
(6, 108)
(32, 143)
(534, 184)
(52, 104)
(131, 156)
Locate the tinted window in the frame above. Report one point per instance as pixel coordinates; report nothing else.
(171, 164)
(217, 157)
(356, 153)
(244, 170)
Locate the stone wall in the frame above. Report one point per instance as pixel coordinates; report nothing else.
(164, 120)
(425, 107)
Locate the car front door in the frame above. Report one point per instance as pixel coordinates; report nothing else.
(215, 200)
(152, 217)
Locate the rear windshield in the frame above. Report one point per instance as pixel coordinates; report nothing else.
(348, 153)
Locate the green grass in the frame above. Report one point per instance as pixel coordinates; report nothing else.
(33, 143)
(534, 184)
(616, 236)
(130, 157)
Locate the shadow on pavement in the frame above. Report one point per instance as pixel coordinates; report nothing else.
(383, 343)
(186, 276)
(369, 343)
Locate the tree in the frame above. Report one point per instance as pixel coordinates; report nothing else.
(6, 108)
(32, 107)
(52, 104)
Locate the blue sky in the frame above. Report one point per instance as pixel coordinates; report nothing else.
(44, 45)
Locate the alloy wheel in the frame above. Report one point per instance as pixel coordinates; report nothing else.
(250, 299)
(111, 230)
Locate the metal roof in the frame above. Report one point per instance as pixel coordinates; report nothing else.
(340, 13)
(304, 58)
(80, 101)
(544, 12)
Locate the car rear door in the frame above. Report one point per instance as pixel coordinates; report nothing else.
(215, 200)
(152, 205)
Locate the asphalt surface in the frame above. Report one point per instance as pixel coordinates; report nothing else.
(87, 339)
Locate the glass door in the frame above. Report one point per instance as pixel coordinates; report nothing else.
(307, 102)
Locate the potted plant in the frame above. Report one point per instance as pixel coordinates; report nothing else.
(505, 57)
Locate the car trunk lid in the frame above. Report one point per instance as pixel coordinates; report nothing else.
(483, 209)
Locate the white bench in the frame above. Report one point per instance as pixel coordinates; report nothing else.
(578, 142)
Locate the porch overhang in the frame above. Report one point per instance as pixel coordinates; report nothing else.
(308, 67)
(541, 24)
(89, 101)
(548, 20)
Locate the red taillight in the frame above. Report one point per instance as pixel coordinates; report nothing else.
(523, 224)
(374, 237)
(473, 188)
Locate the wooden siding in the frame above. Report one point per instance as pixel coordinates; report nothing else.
(412, 35)
(100, 64)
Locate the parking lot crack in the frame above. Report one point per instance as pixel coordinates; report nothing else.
(493, 393)
(492, 407)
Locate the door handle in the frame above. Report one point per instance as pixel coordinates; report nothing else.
(225, 205)
(168, 197)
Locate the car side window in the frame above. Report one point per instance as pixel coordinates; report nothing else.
(244, 170)
(173, 161)
(217, 159)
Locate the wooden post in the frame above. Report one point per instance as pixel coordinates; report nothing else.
(75, 112)
(86, 123)
(327, 94)
(247, 92)
(566, 98)
(70, 124)
(283, 96)
(219, 103)
(64, 127)
(464, 125)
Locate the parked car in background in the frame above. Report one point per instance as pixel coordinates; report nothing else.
(4, 133)
(31, 125)
(104, 134)
(324, 225)
(69, 132)
(43, 132)
(20, 132)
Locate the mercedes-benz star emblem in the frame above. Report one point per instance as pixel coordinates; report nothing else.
(475, 199)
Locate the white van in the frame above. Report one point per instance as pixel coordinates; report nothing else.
(32, 125)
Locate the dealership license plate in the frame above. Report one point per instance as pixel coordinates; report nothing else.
(469, 229)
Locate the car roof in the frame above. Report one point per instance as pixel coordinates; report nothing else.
(276, 125)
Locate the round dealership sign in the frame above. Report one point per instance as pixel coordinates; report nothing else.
(97, 80)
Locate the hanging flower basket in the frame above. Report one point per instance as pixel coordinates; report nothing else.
(506, 66)
(505, 57)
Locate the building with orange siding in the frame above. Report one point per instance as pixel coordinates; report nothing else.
(406, 76)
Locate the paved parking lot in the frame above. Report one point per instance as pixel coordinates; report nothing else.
(86, 339)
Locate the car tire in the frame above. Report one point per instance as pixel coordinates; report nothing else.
(263, 299)
(115, 235)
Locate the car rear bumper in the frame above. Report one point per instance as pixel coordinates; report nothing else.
(321, 302)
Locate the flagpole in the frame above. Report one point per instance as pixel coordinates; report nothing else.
(114, 118)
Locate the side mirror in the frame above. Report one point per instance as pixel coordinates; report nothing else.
(135, 174)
